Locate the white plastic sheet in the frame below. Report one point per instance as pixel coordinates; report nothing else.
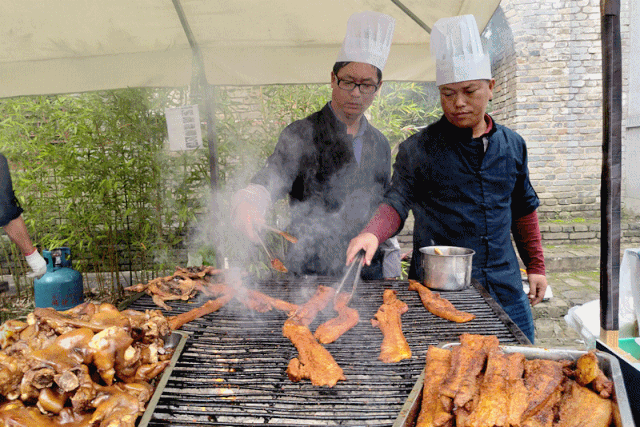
(585, 318)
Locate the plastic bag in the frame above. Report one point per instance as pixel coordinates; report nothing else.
(585, 318)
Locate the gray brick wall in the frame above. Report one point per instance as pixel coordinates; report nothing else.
(549, 89)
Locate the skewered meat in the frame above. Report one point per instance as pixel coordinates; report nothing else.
(277, 265)
(516, 390)
(435, 411)
(438, 305)
(334, 328)
(394, 346)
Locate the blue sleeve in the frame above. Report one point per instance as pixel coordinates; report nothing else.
(9, 207)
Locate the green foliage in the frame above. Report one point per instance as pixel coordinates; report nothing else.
(93, 172)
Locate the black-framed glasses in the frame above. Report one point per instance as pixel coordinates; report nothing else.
(348, 85)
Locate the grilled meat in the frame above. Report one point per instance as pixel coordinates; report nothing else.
(314, 362)
(334, 328)
(438, 305)
(435, 412)
(394, 346)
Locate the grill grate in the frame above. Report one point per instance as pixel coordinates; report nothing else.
(232, 371)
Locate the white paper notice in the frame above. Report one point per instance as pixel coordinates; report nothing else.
(183, 125)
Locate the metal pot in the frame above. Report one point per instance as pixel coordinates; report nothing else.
(446, 268)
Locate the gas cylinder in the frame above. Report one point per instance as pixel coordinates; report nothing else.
(61, 286)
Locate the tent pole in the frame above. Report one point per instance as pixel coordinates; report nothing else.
(209, 104)
(208, 95)
(611, 171)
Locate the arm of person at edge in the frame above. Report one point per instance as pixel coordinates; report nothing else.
(526, 234)
(16, 229)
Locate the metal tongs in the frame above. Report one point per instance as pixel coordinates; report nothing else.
(350, 278)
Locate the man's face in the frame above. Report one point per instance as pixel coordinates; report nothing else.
(465, 103)
(353, 102)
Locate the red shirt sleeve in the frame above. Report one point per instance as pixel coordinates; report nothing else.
(385, 222)
(526, 234)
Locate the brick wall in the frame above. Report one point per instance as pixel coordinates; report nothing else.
(549, 89)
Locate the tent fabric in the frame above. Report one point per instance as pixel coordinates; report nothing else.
(85, 45)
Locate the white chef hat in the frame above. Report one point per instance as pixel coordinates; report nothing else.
(368, 39)
(457, 50)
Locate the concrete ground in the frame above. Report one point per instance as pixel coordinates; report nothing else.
(574, 276)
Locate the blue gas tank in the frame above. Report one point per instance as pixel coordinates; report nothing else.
(61, 286)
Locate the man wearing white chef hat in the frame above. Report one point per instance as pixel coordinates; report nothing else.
(466, 180)
(333, 165)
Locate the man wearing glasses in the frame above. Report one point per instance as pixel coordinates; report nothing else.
(334, 165)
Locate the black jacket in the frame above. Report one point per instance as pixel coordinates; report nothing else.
(331, 197)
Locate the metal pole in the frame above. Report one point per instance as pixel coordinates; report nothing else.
(209, 101)
(611, 171)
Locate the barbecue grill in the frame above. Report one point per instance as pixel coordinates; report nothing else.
(232, 370)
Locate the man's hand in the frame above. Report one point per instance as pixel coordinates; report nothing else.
(248, 220)
(368, 242)
(537, 288)
(249, 206)
(37, 263)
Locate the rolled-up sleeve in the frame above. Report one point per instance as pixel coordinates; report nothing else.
(9, 207)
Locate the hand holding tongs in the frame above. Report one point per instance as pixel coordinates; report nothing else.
(349, 278)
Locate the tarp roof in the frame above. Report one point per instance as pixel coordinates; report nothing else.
(50, 47)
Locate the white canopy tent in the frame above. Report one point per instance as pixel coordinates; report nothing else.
(84, 45)
(70, 46)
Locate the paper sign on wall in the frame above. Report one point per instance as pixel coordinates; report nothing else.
(183, 125)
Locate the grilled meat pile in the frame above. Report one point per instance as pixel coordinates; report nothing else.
(88, 365)
(477, 384)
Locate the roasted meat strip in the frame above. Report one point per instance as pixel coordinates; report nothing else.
(438, 305)
(334, 328)
(516, 390)
(493, 399)
(583, 407)
(433, 411)
(467, 362)
(308, 312)
(314, 362)
(543, 379)
(394, 346)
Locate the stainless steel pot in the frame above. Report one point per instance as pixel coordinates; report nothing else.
(446, 268)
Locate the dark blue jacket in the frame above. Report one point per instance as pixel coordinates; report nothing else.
(331, 196)
(461, 196)
(9, 207)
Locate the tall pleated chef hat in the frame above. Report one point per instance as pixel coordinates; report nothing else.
(368, 39)
(457, 50)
